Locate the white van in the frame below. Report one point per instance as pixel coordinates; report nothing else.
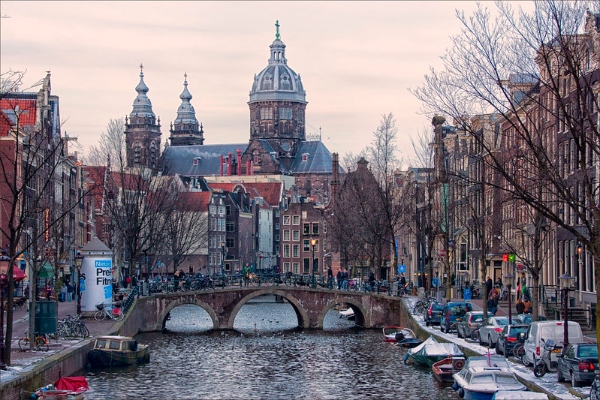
(554, 330)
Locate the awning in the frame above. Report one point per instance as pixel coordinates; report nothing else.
(47, 271)
(18, 274)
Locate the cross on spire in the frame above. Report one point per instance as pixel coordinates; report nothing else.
(277, 30)
(141, 67)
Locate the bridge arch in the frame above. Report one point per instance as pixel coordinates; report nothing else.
(360, 312)
(162, 317)
(301, 314)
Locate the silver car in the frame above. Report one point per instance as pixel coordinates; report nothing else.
(491, 328)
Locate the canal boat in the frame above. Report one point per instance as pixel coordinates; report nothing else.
(444, 369)
(401, 335)
(482, 383)
(348, 314)
(66, 388)
(117, 351)
(430, 352)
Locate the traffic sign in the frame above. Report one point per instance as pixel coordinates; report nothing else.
(442, 253)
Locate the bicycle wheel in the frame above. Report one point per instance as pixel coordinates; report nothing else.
(82, 330)
(41, 344)
(518, 351)
(100, 315)
(119, 316)
(24, 344)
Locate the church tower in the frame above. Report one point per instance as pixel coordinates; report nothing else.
(277, 107)
(142, 131)
(185, 130)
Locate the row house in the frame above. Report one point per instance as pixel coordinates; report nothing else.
(303, 239)
(40, 186)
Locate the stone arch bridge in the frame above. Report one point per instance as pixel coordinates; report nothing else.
(371, 310)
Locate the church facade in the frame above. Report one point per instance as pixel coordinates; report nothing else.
(277, 145)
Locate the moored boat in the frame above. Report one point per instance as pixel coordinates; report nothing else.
(348, 314)
(67, 388)
(117, 351)
(403, 336)
(430, 352)
(482, 383)
(444, 369)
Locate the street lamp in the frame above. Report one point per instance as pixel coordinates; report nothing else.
(222, 258)
(565, 284)
(313, 243)
(508, 279)
(3, 283)
(80, 278)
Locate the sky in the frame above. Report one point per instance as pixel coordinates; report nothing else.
(357, 61)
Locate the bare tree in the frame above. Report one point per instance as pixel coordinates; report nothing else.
(537, 73)
(111, 146)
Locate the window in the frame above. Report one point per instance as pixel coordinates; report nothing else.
(266, 113)
(228, 210)
(296, 267)
(212, 210)
(286, 251)
(306, 229)
(306, 245)
(221, 211)
(285, 113)
(295, 250)
(315, 227)
(230, 243)
(305, 269)
(286, 267)
(296, 220)
(286, 235)
(286, 219)
(295, 236)
(230, 226)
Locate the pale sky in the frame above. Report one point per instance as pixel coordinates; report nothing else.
(357, 61)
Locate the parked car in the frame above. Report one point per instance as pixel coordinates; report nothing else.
(595, 389)
(578, 362)
(433, 315)
(453, 311)
(553, 330)
(490, 329)
(471, 321)
(509, 337)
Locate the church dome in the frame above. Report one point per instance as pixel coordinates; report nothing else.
(277, 81)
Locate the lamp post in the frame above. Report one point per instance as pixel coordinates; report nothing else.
(80, 279)
(438, 295)
(222, 258)
(313, 243)
(508, 279)
(565, 284)
(3, 283)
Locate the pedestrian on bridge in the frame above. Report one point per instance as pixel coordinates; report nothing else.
(329, 278)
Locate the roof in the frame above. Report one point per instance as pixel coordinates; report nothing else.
(180, 159)
(271, 192)
(193, 201)
(318, 159)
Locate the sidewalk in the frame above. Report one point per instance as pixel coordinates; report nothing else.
(21, 324)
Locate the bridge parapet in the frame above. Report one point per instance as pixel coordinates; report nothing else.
(310, 305)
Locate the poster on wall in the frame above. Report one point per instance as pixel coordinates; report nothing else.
(98, 283)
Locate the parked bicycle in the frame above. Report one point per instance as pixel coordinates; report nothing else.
(40, 342)
(72, 326)
(115, 313)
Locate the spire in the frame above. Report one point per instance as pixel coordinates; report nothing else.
(185, 113)
(277, 30)
(142, 106)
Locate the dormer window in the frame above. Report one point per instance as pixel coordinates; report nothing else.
(196, 160)
(305, 156)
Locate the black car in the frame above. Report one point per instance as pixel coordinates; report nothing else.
(433, 315)
(454, 311)
(578, 362)
(509, 337)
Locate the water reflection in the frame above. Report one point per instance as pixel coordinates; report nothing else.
(275, 360)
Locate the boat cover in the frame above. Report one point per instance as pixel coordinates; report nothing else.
(73, 383)
(433, 348)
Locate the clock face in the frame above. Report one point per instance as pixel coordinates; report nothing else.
(285, 146)
(317, 185)
(300, 184)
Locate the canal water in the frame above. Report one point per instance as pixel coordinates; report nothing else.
(266, 358)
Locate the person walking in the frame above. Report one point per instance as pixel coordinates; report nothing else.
(329, 278)
(520, 306)
(63, 293)
(339, 279)
(69, 292)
